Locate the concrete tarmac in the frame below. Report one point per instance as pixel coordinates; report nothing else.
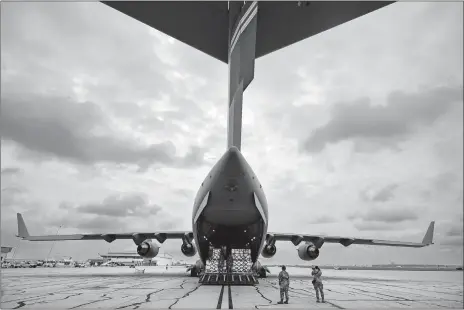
(125, 288)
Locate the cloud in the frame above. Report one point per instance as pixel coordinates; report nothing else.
(12, 192)
(373, 226)
(11, 196)
(446, 180)
(121, 206)
(101, 224)
(62, 128)
(455, 231)
(115, 213)
(388, 215)
(402, 115)
(10, 171)
(127, 94)
(383, 195)
(391, 216)
(324, 219)
(453, 241)
(73, 26)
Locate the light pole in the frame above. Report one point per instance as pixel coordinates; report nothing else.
(51, 248)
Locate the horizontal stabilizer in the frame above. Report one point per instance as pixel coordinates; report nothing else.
(204, 25)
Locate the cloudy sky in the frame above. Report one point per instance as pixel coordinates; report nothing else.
(111, 126)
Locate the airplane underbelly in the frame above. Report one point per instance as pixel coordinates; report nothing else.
(232, 203)
(232, 216)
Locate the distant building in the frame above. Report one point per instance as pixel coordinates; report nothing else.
(161, 259)
(95, 261)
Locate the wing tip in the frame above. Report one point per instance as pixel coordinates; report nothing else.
(22, 229)
(428, 237)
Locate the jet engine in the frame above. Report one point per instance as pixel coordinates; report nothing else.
(196, 268)
(188, 249)
(148, 249)
(260, 270)
(269, 250)
(308, 251)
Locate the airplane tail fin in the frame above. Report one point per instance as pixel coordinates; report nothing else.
(243, 19)
(22, 229)
(428, 238)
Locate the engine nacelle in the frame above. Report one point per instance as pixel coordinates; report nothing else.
(188, 249)
(260, 270)
(308, 251)
(269, 251)
(196, 268)
(148, 249)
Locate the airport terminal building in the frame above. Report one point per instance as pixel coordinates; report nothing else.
(128, 258)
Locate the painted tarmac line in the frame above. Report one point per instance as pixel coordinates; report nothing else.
(229, 293)
(221, 294)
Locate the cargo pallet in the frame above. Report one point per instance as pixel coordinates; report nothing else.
(228, 279)
(236, 270)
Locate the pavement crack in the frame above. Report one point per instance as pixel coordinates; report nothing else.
(149, 294)
(262, 296)
(185, 295)
(137, 304)
(396, 299)
(91, 302)
(381, 294)
(70, 296)
(23, 303)
(336, 306)
(182, 284)
(295, 290)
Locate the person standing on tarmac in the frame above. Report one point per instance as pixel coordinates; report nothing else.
(317, 283)
(284, 283)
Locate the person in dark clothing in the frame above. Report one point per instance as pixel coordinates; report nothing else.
(284, 283)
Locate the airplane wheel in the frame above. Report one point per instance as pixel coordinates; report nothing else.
(262, 273)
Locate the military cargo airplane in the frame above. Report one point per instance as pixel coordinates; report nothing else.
(230, 210)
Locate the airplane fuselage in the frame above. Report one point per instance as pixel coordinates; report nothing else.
(230, 208)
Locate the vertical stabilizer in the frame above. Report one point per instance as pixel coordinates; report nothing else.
(243, 21)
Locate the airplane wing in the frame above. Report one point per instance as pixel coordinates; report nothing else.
(137, 237)
(318, 241)
(204, 25)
